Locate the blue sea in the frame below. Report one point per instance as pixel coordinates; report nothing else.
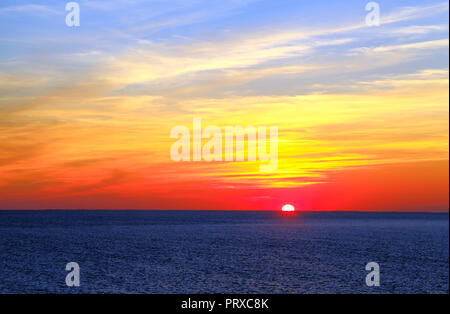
(223, 252)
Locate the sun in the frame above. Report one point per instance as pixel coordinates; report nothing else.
(288, 208)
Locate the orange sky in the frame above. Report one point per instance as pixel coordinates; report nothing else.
(361, 158)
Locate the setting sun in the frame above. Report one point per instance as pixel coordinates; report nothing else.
(288, 208)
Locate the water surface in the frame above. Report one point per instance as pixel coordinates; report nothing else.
(222, 252)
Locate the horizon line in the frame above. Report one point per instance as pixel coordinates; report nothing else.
(238, 210)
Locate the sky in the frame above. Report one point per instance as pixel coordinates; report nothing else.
(362, 111)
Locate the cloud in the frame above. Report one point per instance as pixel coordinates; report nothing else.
(424, 45)
(30, 8)
(420, 29)
(416, 12)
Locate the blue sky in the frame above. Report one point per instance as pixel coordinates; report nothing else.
(35, 32)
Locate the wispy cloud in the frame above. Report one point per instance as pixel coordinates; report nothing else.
(29, 9)
(414, 12)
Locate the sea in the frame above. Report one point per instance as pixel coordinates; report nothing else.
(251, 252)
